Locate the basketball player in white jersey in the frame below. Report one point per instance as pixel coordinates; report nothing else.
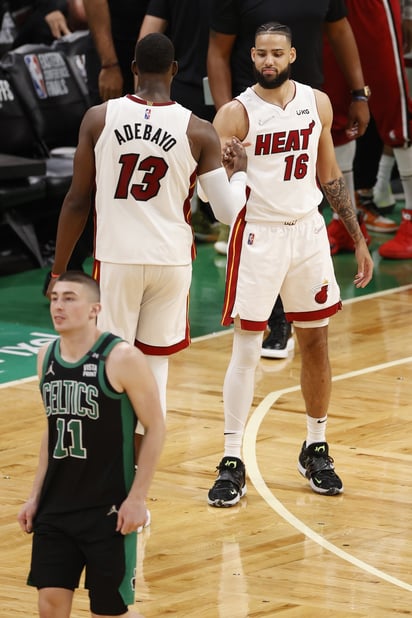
(279, 244)
(142, 153)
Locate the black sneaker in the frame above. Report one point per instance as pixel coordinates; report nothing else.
(279, 341)
(316, 465)
(230, 484)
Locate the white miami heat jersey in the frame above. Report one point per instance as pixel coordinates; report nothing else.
(145, 176)
(281, 169)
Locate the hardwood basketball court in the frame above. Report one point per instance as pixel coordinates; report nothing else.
(283, 551)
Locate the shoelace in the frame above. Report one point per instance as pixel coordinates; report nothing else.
(320, 464)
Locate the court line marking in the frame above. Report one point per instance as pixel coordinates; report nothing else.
(230, 330)
(17, 382)
(249, 451)
(356, 299)
(252, 467)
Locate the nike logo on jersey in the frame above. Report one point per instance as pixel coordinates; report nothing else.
(265, 120)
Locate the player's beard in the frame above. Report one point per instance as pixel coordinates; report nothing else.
(270, 83)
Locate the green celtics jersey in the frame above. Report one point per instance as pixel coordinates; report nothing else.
(91, 432)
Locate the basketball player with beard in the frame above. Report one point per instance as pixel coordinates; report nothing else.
(278, 244)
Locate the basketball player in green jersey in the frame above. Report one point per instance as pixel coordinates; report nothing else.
(87, 500)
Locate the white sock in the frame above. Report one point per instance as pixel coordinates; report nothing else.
(403, 158)
(345, 155)
(382, 192)
(316, 429)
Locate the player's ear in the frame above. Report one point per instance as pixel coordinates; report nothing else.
(175, 67)
(95, 310)
(292, 55)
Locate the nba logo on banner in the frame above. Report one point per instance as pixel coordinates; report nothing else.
(250, 239)
(36, 74)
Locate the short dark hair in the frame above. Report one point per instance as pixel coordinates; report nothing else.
(154, 53)
(274, 27)
(78, 276)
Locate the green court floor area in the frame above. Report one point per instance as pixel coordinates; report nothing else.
(24, 313)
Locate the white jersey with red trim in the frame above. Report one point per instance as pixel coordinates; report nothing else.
(281, 168)
(145, 177)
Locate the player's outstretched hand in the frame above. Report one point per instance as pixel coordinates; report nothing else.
(234, 156)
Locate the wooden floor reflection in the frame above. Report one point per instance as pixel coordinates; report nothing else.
(283, 551)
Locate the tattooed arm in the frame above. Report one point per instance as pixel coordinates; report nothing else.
(338, 197)
(336, 192)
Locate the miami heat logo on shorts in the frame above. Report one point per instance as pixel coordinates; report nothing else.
(321, 293)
